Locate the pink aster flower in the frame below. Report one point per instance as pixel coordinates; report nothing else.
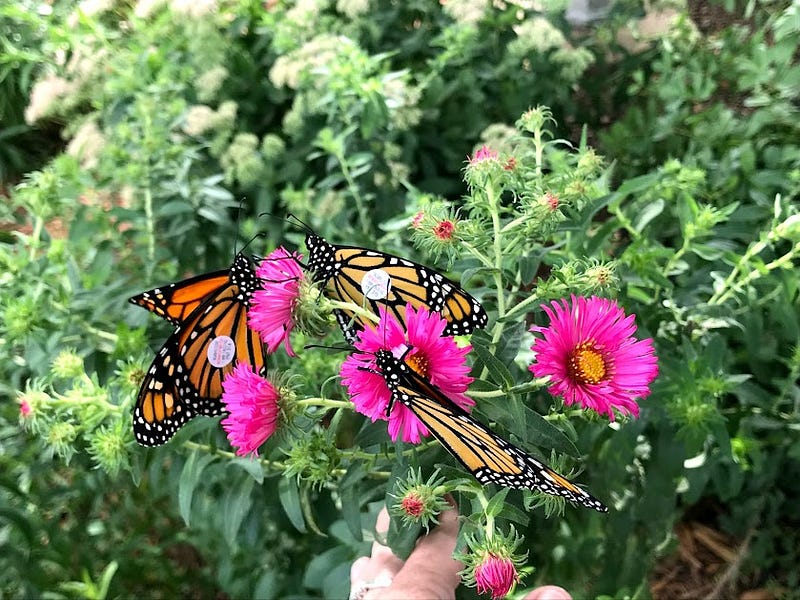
(412, 504)
(271, 309)
(496, 575)
(424, 350)
(591, 356)
(252, 404)
(25, 409)
(483, 153)
(550, 201)
(444, 229)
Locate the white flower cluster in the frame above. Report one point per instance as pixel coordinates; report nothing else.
(87, 144)
(44, 96)
(194, 8)
(465, 12)
(314, 54)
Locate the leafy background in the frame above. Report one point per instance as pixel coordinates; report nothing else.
(132, 132)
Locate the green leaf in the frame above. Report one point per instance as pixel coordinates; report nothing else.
(372, 434)
(600, 237)
(495, 505)
(481, 385)
(512, 513)
(251, 466)
(543, 433)
(707, 252)
(510, 342)
(217, 193)
(468, 273)
(636, 185)
(528, 266)
(349, 490)
(402, 538)
(174, 208)
(323, 564)
(105, 579)
(480, 345)
(235, 504)
(289, 495)
(639, 295)
(647, 214)
(337, 582)
(528, 425)
(267, 585)
(190, 477)
(788, 22)
(19, 519)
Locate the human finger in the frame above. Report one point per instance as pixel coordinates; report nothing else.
(548, 592)
(431, 571)
(376, 571)
(380, 553)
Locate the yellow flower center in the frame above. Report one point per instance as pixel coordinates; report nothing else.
(586, 364)
(418, 363)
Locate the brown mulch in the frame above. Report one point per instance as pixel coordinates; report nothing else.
(713, 17)
(707, 565)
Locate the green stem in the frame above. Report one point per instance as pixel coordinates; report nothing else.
(354, 308)
(497, 269)
(513, 224)
(492, 394)
(564, 415)
(687, 241)
(270, 464)
(36, 235)
(361, 208)
(59, 401)
(150, 229)
(523, 306)
(489, 528)
(103, 335)
(538, 144)
(360, 454)
(730, 286)
(324, 403)
(498, 254)
(484, 260)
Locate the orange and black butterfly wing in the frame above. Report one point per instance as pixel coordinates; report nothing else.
(374, 279)
(166, 401)
(490, 458)
(185, 378)
(220, 322)
(176, 301)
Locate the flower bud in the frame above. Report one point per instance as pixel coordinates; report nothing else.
(496, 575)
(68, 365)
(419, 501)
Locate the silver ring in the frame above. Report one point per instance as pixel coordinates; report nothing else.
(357, 592)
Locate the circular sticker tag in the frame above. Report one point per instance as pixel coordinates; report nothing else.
(221, 351)
(376, 284)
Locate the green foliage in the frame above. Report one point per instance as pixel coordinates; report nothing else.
(357, 118)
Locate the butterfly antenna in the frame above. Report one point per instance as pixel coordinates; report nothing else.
(291, 219)
(238, 224)
(335, 348)
(261, 234)
(386, 310)
(298, 221)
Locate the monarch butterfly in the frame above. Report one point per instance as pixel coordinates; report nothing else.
(490, 458)
(372, 279)
(211, 335)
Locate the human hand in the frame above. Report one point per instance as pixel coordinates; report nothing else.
(548, 592)
(429, 572)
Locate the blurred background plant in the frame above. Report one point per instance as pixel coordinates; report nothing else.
(131, 132)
